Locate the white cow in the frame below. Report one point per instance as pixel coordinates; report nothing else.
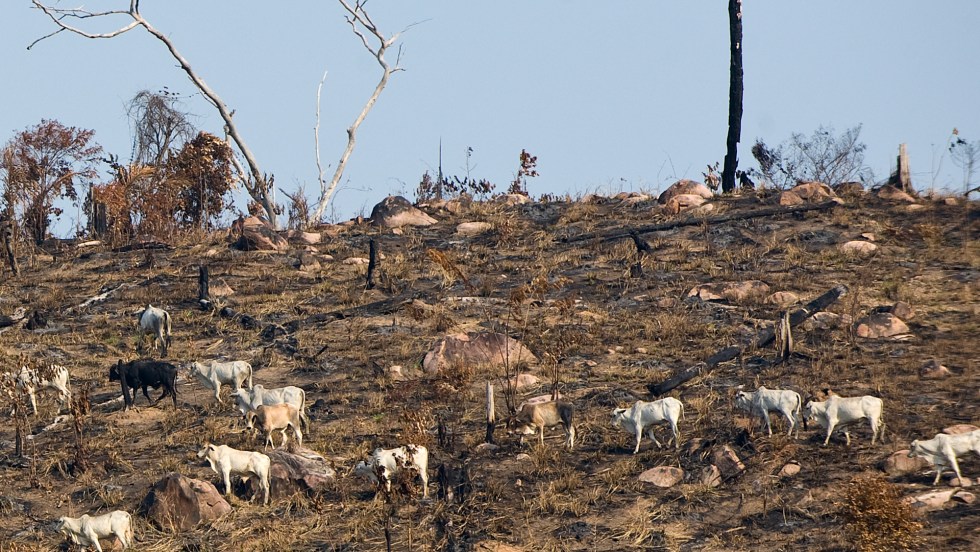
(249, 400)
(225, 461)
(87, 530)
(390, 461)
(156, 322)
(763, 401)
(648, 414)
(234, 373)
(55, 377)
(843, 411)
(271, 417)
(943, 449)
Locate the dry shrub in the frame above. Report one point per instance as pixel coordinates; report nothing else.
(876, 518)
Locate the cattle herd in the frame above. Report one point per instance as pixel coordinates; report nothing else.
(282, 409)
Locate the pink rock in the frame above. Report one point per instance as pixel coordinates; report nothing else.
(711, 476)
(476, 348)
(789, 470)
(727, 461)
(892, 193)
(685, 187)
(396, 211)
(930, 501)
(899, 463)
(790, 198)
(783, 298)
(736, 292)
(524, 380)
(957, 482)
(882, 324)
(814, 191)
(934, 370)
(858, 248)
(681, 202)
(964, 497)
(663, 476)
(473, 228)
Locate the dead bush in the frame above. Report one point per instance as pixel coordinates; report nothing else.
(876, 518)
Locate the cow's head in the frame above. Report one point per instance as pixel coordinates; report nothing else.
(742, 400)
(914, 449)
(208, 449)
(618, 415)
(115, 371)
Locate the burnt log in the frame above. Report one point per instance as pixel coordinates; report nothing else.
(764, 338)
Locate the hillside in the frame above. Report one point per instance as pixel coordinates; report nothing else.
(615, 328)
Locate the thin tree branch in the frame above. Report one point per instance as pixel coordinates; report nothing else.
(358, 18)
(258, 186)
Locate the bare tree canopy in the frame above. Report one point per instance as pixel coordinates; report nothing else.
(158, 126)
(376, 43)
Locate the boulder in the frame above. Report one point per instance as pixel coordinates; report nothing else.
(685, 187)
(858, 248)
(824, 320)
(899, 463)
(930, 501)
(305, 238)
(256, 235)
(513, 199)
(959, 428)
(789, 199)
(879, 325)
(849, 188)
(680, 202)
(957, 482)
(476, 348)
(496, 546)
(813, 191)
(783, 299)
(891, 193)
(934, 370)
(522, 381)
(727, 461)
(663, 476)
(964, 497)
(396, 211)
(307, 262)
(902, 310)
(183, 503)
(303, 470)
(473, 228)
(735, 292)
(789, 470)
(710, 476)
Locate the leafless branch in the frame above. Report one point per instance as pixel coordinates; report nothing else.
(362, 25)
(257, 186)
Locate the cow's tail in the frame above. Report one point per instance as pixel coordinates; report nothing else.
(682, 411)
(250, 377)
(166, 321)
(303, 418)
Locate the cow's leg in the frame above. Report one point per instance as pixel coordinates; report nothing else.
(638, 431)
(226, 475)
(939, 473)
(765, 416)
(541, 435)
(952, 460)
(299, 436)
(831, 424)
(217, 390)
(677, 434)
(875, 428)
(847, 436)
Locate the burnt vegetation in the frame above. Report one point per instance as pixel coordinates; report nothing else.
(601, 332)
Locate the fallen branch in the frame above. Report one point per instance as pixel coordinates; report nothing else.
(764, 338)
(697, 221)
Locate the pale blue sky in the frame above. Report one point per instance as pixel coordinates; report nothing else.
(610, 96)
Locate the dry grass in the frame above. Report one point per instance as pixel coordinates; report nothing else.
(578, 301)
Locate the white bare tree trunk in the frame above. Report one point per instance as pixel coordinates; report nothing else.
(360, 23)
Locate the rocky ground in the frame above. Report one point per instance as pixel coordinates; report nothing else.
(565, 279)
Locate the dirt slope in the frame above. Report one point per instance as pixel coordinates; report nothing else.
(615, 328)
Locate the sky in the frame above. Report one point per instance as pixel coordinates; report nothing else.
(610, 96)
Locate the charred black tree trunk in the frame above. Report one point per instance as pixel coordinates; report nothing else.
(372, 263)
(204, 285)
(7, 237)
(734, 96)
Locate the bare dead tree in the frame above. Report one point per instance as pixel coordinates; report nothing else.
(365, 29)
(256, 183)
(734, 96)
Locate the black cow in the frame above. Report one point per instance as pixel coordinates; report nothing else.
(145, 373)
